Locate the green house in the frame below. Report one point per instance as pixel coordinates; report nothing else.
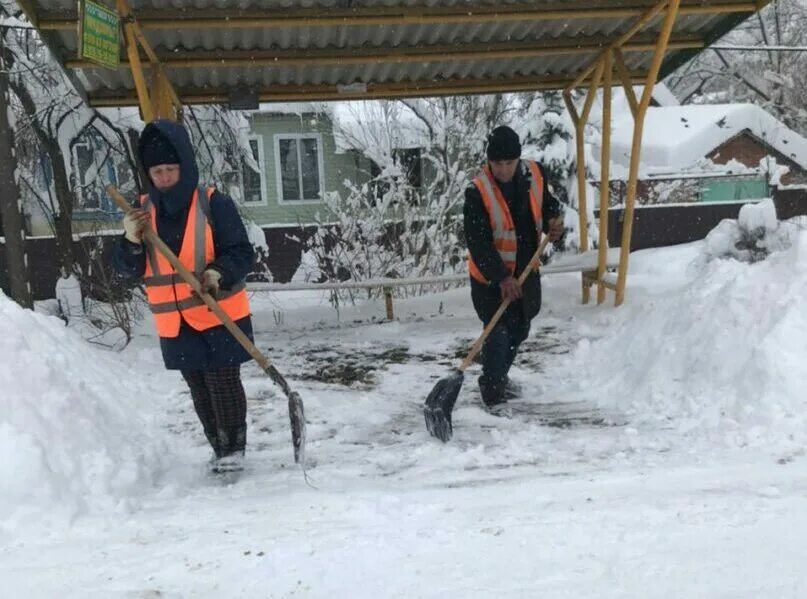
(303, 157)
(295, 148)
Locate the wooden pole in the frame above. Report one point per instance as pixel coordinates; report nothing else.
(605, 176)
(19, 282)
(636, 147)
(388, 301)
(627, 81)
(580, 132)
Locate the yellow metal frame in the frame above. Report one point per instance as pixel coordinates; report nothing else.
(396, 16)
(156, 96)
(601, 72)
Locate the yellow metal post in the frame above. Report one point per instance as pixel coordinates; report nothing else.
(636, 147)
(143, 96)
(627, 81)
(605, 176)
(160, 100)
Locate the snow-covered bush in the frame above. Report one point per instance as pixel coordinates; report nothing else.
(391, 235)
(753, 236)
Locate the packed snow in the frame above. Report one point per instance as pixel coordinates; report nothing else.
(74, 425)
(658, 451)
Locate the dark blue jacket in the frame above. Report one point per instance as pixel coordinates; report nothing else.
(479, 236)
(215, 347)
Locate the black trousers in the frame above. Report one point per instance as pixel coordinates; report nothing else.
(498, 353)
(221, 405)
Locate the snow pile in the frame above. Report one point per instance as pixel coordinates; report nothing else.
(753, 236)
(74, 430)
(721, 357)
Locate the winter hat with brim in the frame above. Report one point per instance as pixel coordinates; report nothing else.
(503, 144)
(156, 150)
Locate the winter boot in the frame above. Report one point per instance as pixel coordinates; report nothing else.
(512, 389)
(213, 439)
(492, 393)
(232, 444)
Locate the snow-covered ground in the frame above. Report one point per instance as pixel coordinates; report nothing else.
(658, 452)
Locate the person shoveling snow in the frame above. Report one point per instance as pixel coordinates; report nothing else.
(507, 209)
(192, 338)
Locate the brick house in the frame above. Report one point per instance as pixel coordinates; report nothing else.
(707, 153)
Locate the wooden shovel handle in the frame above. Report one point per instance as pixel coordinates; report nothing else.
(534, 264)
(152, 237)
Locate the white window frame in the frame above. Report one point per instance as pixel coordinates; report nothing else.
(279, 171)
(261, 170)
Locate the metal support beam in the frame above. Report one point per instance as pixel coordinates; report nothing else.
(465, 14)
(159, 100)
(636, 147)
(189, 59)
(371, 91)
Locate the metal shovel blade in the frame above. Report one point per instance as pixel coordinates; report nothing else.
(439, 405)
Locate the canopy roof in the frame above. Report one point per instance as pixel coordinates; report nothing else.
(285, 50)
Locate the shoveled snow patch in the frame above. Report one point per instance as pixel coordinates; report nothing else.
(721, 358)
(75, 430)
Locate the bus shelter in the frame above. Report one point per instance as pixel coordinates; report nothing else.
(172, 53)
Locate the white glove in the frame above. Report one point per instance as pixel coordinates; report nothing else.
(210, 281)
(134, 222)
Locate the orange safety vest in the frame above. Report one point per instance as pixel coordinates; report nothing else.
(170, 298)
(501, 221)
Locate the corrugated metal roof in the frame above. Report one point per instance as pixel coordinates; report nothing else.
(326, 49)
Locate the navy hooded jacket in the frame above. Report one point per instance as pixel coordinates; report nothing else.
(193, 350)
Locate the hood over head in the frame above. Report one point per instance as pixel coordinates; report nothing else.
(174, 136)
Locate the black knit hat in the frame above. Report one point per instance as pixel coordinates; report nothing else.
(156, 150)
(503, 144)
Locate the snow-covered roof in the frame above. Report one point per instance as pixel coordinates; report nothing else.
(677, 137)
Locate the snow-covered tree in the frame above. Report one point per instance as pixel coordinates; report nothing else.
(775, 79)
(406, 221)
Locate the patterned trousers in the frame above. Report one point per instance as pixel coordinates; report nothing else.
(219, 398)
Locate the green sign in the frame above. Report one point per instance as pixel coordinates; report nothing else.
(100, 35)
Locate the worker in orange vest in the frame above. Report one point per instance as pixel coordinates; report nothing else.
(203, 228)
(507, 208)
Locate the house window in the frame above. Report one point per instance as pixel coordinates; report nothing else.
(252, 179)
(299, 167)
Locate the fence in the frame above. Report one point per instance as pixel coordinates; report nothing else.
(655, 226)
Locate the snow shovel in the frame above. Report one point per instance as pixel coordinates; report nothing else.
(441, 400)
(296, 413)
